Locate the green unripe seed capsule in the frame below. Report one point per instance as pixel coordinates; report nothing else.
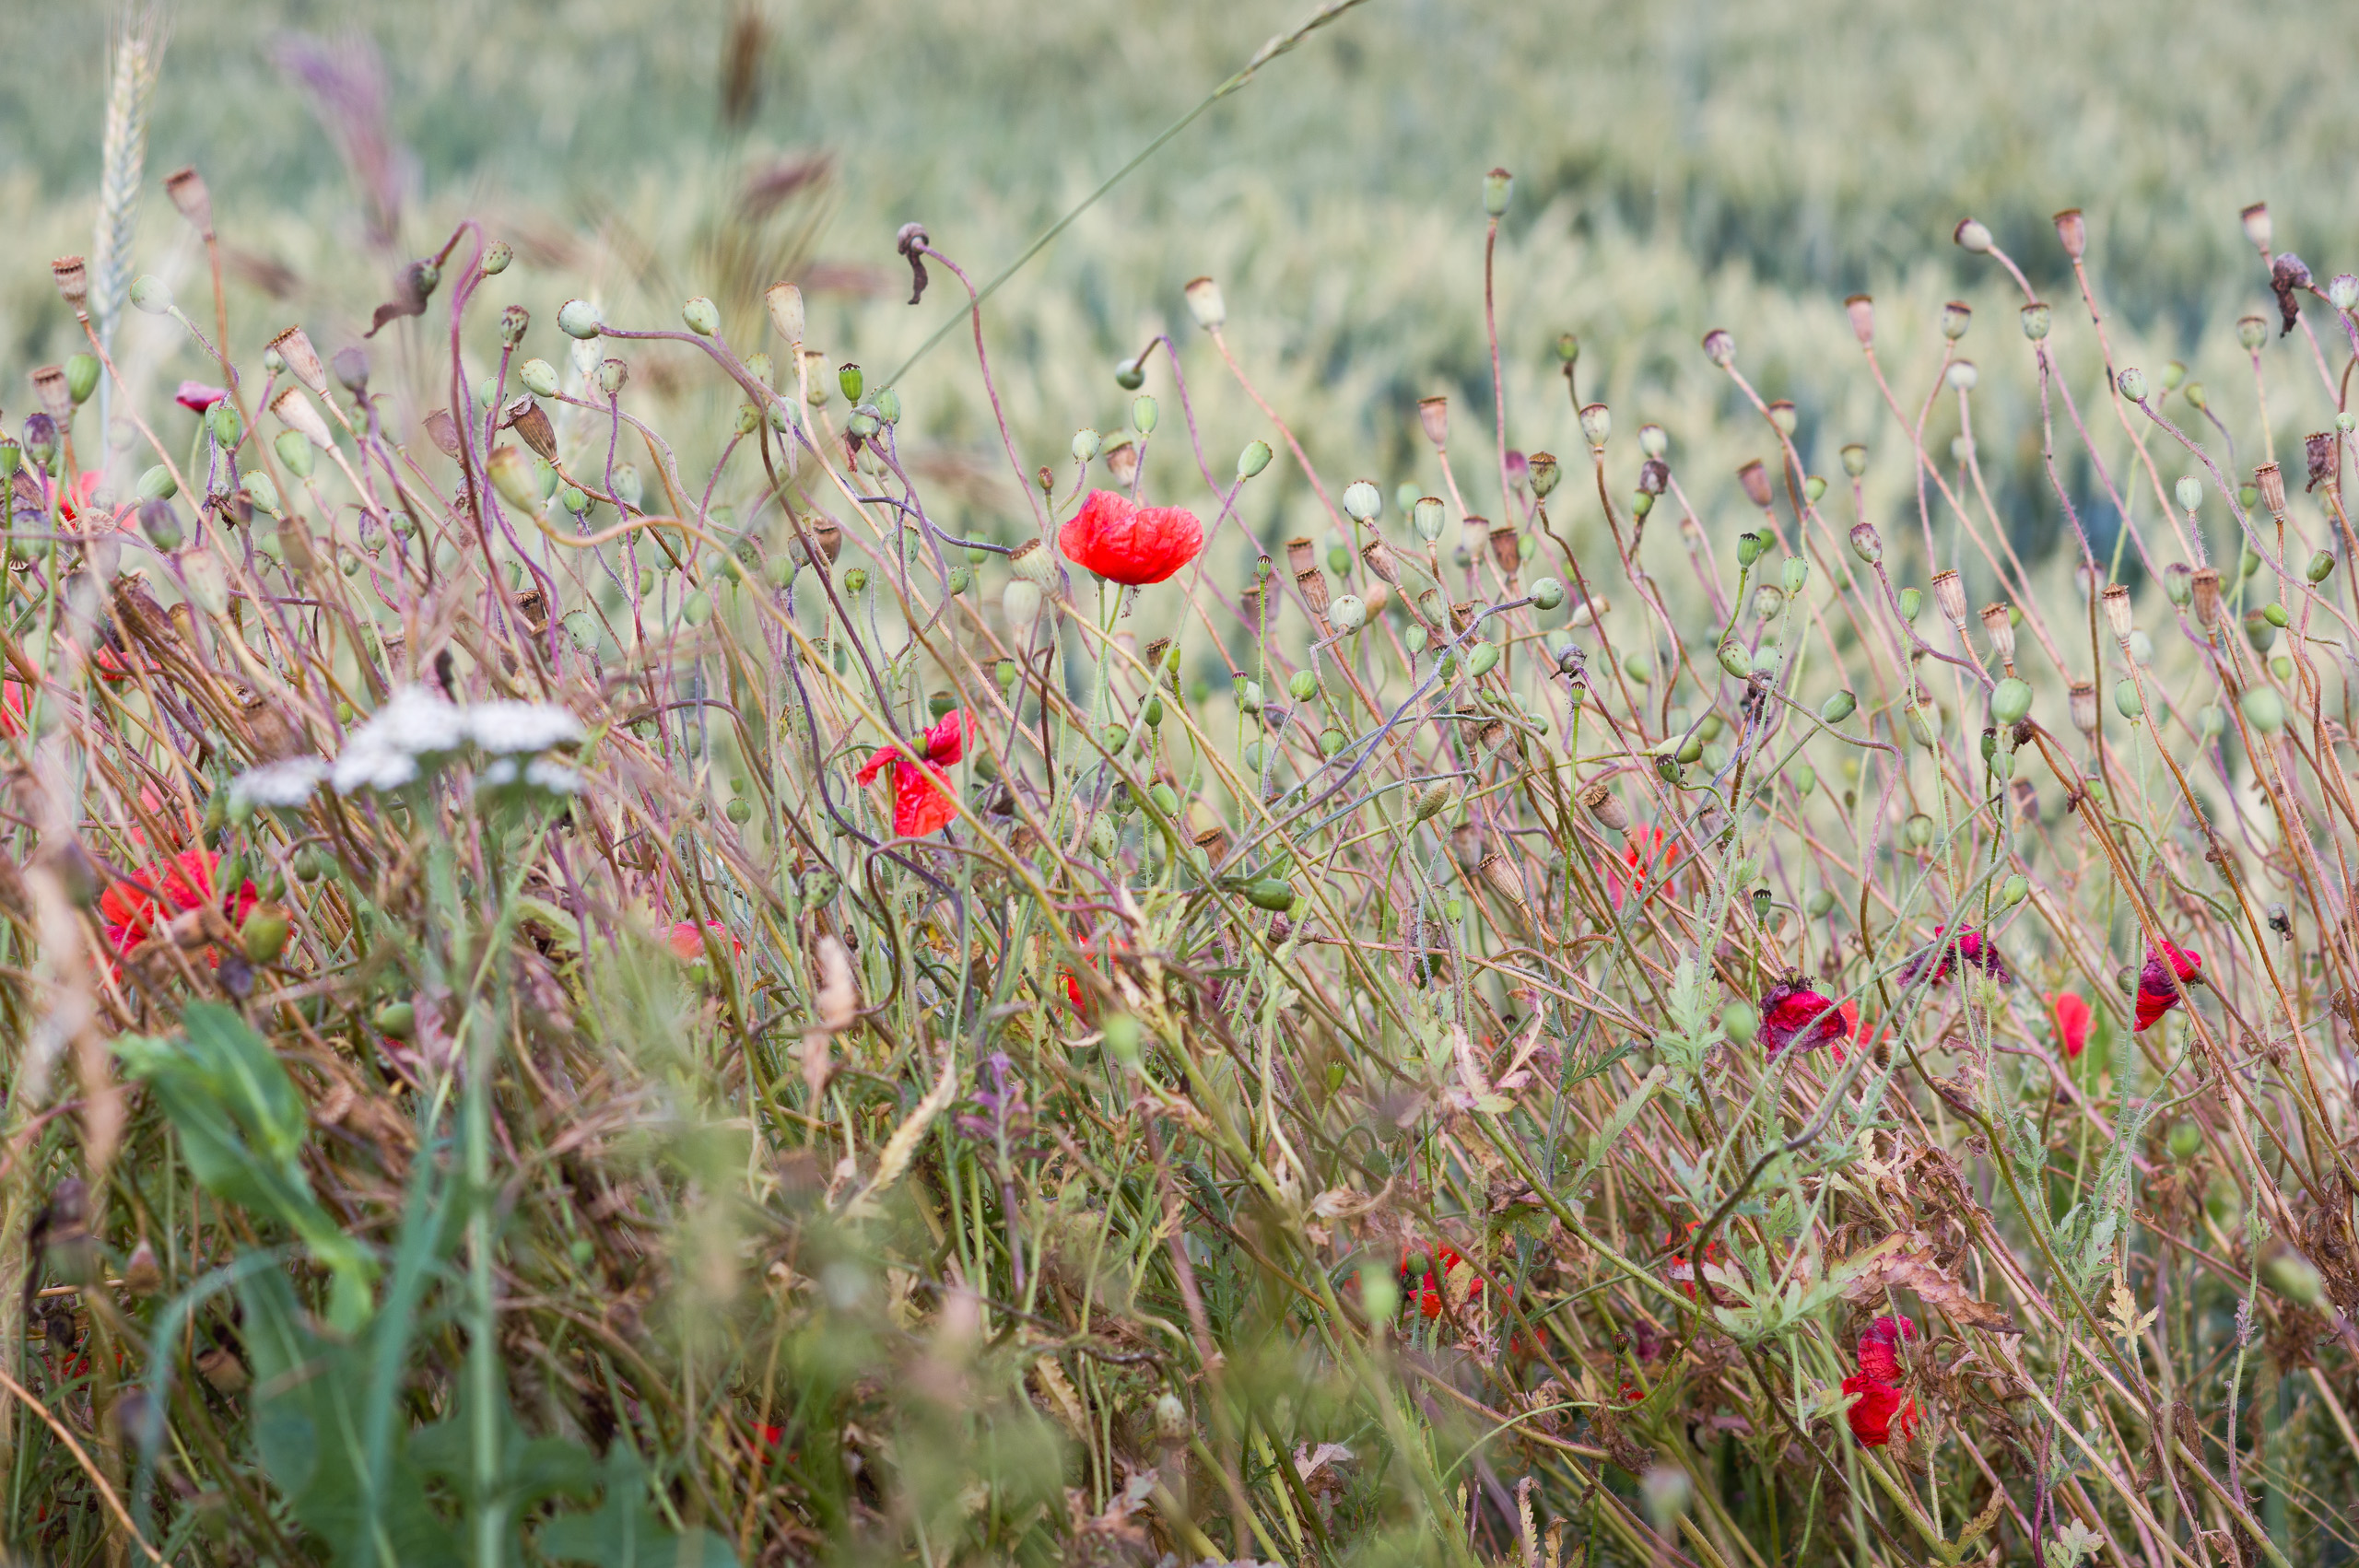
(1822, 903)
(2321, 566)
(539, 377)
(1912, 604)
(739, 810)
(855, 580)
(1253, 459)
(2010, 701)
(1152, 715)
(82, 376)
(1303, 684)
(2264, 709)
(579, 319)
(1482, 658)
(1805, 779)
(702, 316)
(395, 1018)
(1330, 741)
(2013, 891)
(1797, 573)
(158, 484)
(2274, 613)
(1547, 594)
(1749, 548)
(1143, 413)
(1165, 800)
(699, 609)
(1839, 707)
(1740, 1021)
(1271, 892)
(226, 428)
(294, 452)
(2126, 700)
(1735, 660)
(2281, 666)
(264, 936)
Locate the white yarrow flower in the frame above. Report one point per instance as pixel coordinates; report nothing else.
(283, 785)
(504, 728)
(416, 722)
(541, 773)
(372, 763)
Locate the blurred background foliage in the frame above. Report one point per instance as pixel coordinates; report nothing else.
(1679, 166)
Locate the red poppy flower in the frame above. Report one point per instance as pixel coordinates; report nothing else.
(1795, 1016)
(1124, 542)
(1431, 1288)
(1646, 855)
(1682, 1267)
(922, 802)
(1881, 1404)
(134, 911)
(1942, 957)
(2074, 1020)
(2156, 995)
(11, 707)
(688, 941)
(196, 397)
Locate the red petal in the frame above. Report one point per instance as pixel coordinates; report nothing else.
(882, 756)
(1123, 542)
(947, 742)
(921, 802)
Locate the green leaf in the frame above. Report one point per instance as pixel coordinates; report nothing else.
(625, 1532)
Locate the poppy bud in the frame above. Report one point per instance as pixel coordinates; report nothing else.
(1426, 517)
(73, 279)
(1924, 723)
(1206, 304)
(161, 524)
(1962, 375)
(1735, 660)
(701, 315)
(1956, 317)
(2321, 566)
(1253, 459)
(264, 936)
(150, 294)
(1085, 444)
(157, 484)
(785, 303)
(1597, 424)
(186, 188)
(2036, 316)
(2131, 383)
(1349, 613)
(2264, 709)
(1971, 235)
(1782, 417)
(2257, 228)
(2275, 615)
(261, 492)
(1547, 594)
(579, 319)
(1481, 659)
(2010, 701)
(1362, 500)
(1130, 376)
(1540, 469)
(2204, 588)
(496, 257)
(1719, 347)
(1145, 414)
(1948, 596)
(295, 452)
(1862, 309)
(2252, 332)
(887, 403)
(2189, 491)
(1749, 546)
(539, 378)
(612, 374)
(81, 377)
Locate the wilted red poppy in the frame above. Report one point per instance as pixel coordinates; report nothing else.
(2156, 995)
(688, 941)
(1942, 957)
(1881, 1404)
(134, 911)
(1795, 1016)
(2074, 1020)
(1124, 542)
(1649, 856)
(922, 802)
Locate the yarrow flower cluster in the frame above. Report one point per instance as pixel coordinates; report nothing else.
(414, 728)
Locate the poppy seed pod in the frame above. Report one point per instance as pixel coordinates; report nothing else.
(497, 258)
(1971, 235)
(187, 190)
(533, 425)
(2117, 610)
(1602, 803)
(2082, 702)
(1749, 546)
(56, 398)
(579, 319)
(1541, 469)
(298, 413)
(1362, 500)
(511, 476)
(539, 378)
(1122, 462)
(514, 323)
(1312, 585)
(2256, 226)
(1378, 557)
(2321, 566)
(2204, 588)
(1719, 347)
(1998, 625)
(784, 302)
(351, 367)
(1754, 477)
(1597, 424)
(150, 295)
(1782, 416)
(81, 377)
(2073, 232)
(1206, 304)
(71, 276)
(1349, 612)
(701, 316)
(1956, 316)
(1427, 518)
(2189, 491)
(294, 346)
(2320, 449)
(1867, 543)
(1433, 418)
(2252, 332)
(1021, 600)
(1130, 376)
(1301, 554)
(2036, 317)
(1498, 187)
(2270, 480)
(1948, 596)
(1862, 309)
(1253, 459)
(612, 374)
(2131, 383)
(1085, 444)
(161, 524)
(2176, 581)
(2343, 291)
(1507, 551)
(294, 452)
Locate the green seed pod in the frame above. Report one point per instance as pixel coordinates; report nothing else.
(1482, 658)
(702, 316)
(1362, 500)
(2296, 1279)
(1918, 830)
(1821, 904)
(1547, 594)
(1414, 640)
(2281, 666)
(1814, 486)
(496, 257)
(1152, 714)
(2127, 701)
(82, 376)
(1924, 725)
(1130, 376)
(1332, 741)
(1855, 460)
(2321, 566)
(1768, 660)
(2036, 319)
(1271, 892)
(1797, 573)
(2131, 383)
(1838, 707)
(2274, 613)
(395, 1018)
(1498, 187)
(1339, 560)
(1690, 750)
(1303, 684)
(224, 424)
(2013, 891)
(699, 609)
(294, 452)
(1349, 613)
(1912, 605)
(264, 936)
(2189, 491)
(739, 810)
(1805, 779)
(2249, 562)
(1252, 755)
(539, 377)
(1740, 1021)
(1635, 665)
(150, 294)
(158, 484)
(1253, 459)
(888, 403)
(1749, 547)
(2210, 720)
(261, 491)
(2264, 709)
(579, 319)
(1735, 660)
(1425, 516)
(1145, 414)
(2010, 701)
